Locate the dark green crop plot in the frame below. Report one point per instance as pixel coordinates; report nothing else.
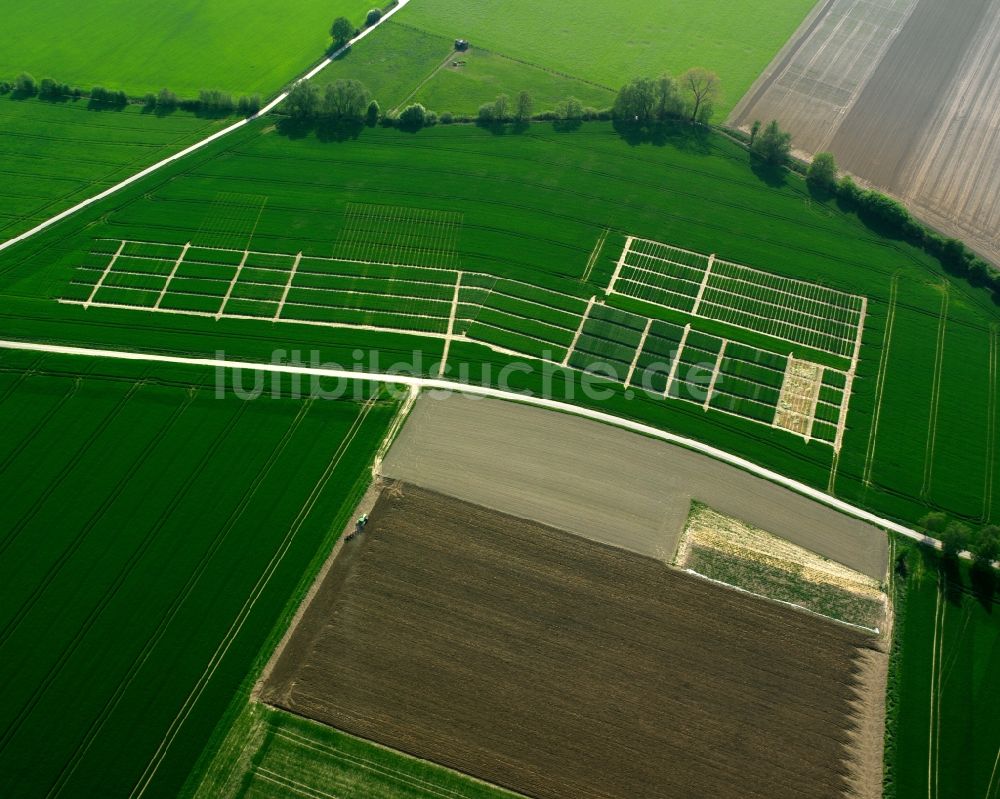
(535, 208)
(153, 535)
(944, 705)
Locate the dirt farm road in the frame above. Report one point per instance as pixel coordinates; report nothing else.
(420, 383)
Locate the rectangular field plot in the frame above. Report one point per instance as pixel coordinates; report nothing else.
(440, 632)
(784, 308)
(509, 316)
(399, 235)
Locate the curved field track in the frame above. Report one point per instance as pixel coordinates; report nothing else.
(904, 93)
(566, 669)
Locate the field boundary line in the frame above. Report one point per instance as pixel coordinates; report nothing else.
(104, 274)
(170, 277)
(579, 331)
(991, 422)
(594, 255)
(677, 361)
(232, 285)
(489, 391)
(890, 319)
(207, 140)
(638, 351)
(715, 373)
(702, 285)
(449, 335)
(618, 267)
(935, 392)
(288, 286)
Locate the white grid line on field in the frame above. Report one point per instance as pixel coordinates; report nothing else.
(677, 360)
(451, 323)
(104, 274)
(619, 265)
(232, 283)
(170, 277)
(638, 352)
(794, 310)
(715, 374)
(288, 286)
(704, 282)
(518, 320)
(579, 331)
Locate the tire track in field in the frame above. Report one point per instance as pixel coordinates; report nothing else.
(23, 374)
(933, 706)
(81, 536)
(883, 362)
(991, 423)
(213, 664)
(39, 426)
(356, 761)
(120, 578)
(83, 747)
(932, 421)
(69, 467)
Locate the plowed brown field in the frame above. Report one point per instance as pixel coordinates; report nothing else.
(564, 668)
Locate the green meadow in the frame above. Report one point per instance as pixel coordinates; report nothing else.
(609, 43)
(239, 46)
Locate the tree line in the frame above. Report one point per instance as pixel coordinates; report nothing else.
(211, 101)
(956, 537)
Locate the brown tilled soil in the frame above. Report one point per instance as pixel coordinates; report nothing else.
(564, 668)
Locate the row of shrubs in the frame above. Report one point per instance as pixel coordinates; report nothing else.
(892, 217)
(209, 101)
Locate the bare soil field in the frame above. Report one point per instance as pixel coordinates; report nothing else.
(567, 669)
(608, 484)
(904, 93)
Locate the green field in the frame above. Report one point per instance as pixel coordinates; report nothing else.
(943, 731)
(544, 208)
(270, 754)
(53, 155)
(400, 65)
(240, 46)
(157, 534)
(609, 44)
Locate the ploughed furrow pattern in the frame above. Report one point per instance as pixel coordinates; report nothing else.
(563, 668)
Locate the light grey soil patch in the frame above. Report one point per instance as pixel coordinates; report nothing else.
(604, 483)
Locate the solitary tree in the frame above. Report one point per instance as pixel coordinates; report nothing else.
(754, 131)
(372, 114)
(773, 145)
(302, 101)
(524, 106)
(373, 16)
(955, 538)
(346, 100)
(341, 30)
(986, 548)
(822, 172)
(702, 87)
